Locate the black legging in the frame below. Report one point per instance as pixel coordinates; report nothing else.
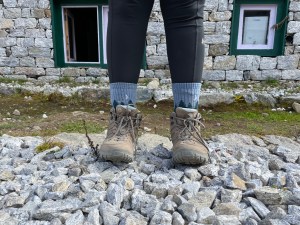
(127, 26)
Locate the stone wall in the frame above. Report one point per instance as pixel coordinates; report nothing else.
(26, 46)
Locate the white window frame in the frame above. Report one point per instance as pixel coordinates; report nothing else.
(64, 34)
(105, 10)
(271, 31)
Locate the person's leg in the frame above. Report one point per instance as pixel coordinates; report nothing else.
(184, 33)
(127, 26)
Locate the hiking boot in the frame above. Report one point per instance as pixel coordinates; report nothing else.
(120, 142)
(188, 145)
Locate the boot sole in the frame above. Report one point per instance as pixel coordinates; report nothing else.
(115, 156)
(189, 158)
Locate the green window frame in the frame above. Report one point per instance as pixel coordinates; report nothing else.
(58, 32)
(279, 34)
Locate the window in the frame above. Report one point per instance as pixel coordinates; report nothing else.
(79, 32)
(254, 29)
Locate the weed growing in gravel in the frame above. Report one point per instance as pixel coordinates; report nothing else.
(48, 144)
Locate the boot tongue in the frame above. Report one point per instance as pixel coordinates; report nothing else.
(126, 110)
(186, 112)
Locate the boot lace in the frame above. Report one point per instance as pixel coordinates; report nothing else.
(190, 127)
(123, 125)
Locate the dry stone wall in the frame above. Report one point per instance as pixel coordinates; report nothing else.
(26, 46)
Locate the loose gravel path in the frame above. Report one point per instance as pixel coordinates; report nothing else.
(249, 181)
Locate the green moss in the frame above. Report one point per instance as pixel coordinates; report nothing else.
(48, 145)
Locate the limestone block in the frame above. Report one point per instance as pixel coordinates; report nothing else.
(43, 4)
(268, 63)
(2, 52)
(37, 13)
(39, 52)
(3, 33)
(25, 23)
(45, 23)
(271, 74)
(49, 34)
(73, 72)
(297, 16)
(149, 73)
(162, 49)
(44, 62)
(252, 74)
(293, 27)
(26, 13)
(8, 42)
(155, 28)
(12, 13)
(209, 27)
(291, 16)
(53, 72)
(6, 70)
(288, 62)
(27, 3)
(291, 74)
(25, 42)
(211, 5)
(223, 27)
(44, 42)
(213, 75)
(151, 50)
(157, 62)
(162, 74)
(27, 62)
(296, 39)
(156, 6)
(220, 16)
(216, 39)
(30, 71)
(152, 40)
(96, 72)
(223, 5)
(17, 32)
(19, 51)
(294, 6)
(208, 63)
(218, 49)
(35, 33)
(247, 62)
(234, 75)
(6, 23)
(224, 63)
(10, 3)
(9, 61)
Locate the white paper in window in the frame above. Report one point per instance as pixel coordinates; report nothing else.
(256, 30)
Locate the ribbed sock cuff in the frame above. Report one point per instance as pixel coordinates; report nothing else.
(122, 93)
(186, 95)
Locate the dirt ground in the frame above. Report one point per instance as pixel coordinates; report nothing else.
(49, 115)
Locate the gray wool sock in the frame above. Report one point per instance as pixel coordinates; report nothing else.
(122, 93)
(186, 95)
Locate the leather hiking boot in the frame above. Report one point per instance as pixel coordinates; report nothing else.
(188, 145)
(120, 142)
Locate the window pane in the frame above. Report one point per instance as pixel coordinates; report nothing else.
(256, 26)
(81, 34)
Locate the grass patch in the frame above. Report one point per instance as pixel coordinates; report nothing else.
(78, 127)
(11, 80)
(270, 82)
(48, 144)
